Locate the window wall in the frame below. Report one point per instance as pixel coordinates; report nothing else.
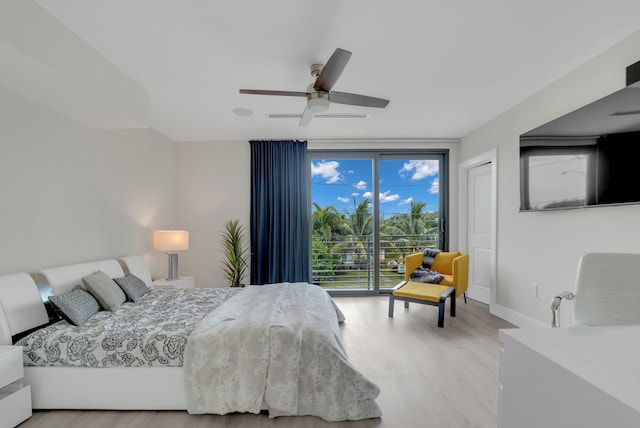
(370, 209)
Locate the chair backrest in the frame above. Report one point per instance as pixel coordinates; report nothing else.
(607, 289)
(443, 261)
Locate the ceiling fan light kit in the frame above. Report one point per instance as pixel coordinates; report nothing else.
(319, 95)
(318, 102)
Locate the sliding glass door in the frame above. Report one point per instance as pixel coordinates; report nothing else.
(342, 215)
(371, 209)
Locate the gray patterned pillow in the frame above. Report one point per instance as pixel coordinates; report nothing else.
(133, 286)
(105, 290)
(76, 306)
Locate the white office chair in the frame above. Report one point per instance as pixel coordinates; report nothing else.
(606, 291)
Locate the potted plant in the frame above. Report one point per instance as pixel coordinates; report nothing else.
(236, 252)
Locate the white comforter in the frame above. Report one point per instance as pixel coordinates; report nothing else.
(275, 347)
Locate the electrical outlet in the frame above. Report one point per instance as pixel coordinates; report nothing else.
(533, 290)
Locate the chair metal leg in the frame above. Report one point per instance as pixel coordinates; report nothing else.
(406, 304)
(441, 313)
(453, 304)
(465, 297)
(391, 304)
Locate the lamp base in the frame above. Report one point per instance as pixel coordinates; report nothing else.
(173, 267)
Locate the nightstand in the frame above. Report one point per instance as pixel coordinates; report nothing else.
(15, 396)
(182, 282)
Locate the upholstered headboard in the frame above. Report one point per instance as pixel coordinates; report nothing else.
(21, 307)
(136, 266)
(23, 295)
(62, 279)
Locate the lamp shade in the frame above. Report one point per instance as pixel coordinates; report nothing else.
(170, 240)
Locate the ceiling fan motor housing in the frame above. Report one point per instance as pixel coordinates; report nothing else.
(318, 102)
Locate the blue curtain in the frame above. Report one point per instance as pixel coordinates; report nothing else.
(280, 249)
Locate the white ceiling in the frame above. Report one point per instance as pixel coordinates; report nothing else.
(447, 66)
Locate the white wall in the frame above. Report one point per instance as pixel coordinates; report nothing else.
(70, 193)
(213, 187)
(544, 247)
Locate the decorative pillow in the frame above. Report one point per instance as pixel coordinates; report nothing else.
(422, 274)
(443, 262)
(105, 290)
(133, 286)
(76, 306)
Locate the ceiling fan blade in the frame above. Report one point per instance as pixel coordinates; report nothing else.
(307, 115)
(357, 100)
(264, 92)
(319, 116)
(332, 70)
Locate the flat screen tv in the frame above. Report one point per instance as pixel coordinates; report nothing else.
(586, 158)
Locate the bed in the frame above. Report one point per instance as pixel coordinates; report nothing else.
(274, 348)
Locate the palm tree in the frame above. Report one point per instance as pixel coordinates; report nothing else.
(405, 233)
(325, 220)
(326, 223)
(359, 221)
(359, 226)
(415, 220)
(419, 225)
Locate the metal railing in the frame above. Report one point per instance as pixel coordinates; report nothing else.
(347, 261)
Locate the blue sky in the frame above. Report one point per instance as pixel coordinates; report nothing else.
(335, 182)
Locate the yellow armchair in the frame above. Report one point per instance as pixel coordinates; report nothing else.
(454, 266)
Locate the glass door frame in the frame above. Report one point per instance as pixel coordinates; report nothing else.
(442, 155)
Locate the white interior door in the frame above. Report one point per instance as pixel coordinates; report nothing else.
(479, 232)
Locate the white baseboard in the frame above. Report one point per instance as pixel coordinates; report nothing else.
(517, 318)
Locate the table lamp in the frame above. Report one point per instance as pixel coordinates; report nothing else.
(171, 241)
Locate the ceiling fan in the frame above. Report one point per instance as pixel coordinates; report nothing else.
(319, 94)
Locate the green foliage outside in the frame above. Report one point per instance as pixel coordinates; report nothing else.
(343, 247)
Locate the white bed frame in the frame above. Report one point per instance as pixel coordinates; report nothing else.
(22, 309)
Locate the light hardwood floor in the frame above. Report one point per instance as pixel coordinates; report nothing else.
(428, 376)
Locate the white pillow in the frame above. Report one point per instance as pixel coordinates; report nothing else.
(105, 290)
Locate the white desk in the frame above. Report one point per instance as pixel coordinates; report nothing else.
(570, 377)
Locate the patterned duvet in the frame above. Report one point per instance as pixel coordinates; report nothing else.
(152, 332)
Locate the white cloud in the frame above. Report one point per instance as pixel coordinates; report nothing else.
(420, 169)
(343, 199)
(406, 201)
(327, 170)
(360, 185)
(435, 187)
(386, 197)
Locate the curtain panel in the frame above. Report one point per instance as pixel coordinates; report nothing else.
(280, 248)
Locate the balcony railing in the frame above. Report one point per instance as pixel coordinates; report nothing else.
(348, 261)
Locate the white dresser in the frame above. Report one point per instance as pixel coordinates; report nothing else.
(587, 377)
(15, 396)
(181, 282)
